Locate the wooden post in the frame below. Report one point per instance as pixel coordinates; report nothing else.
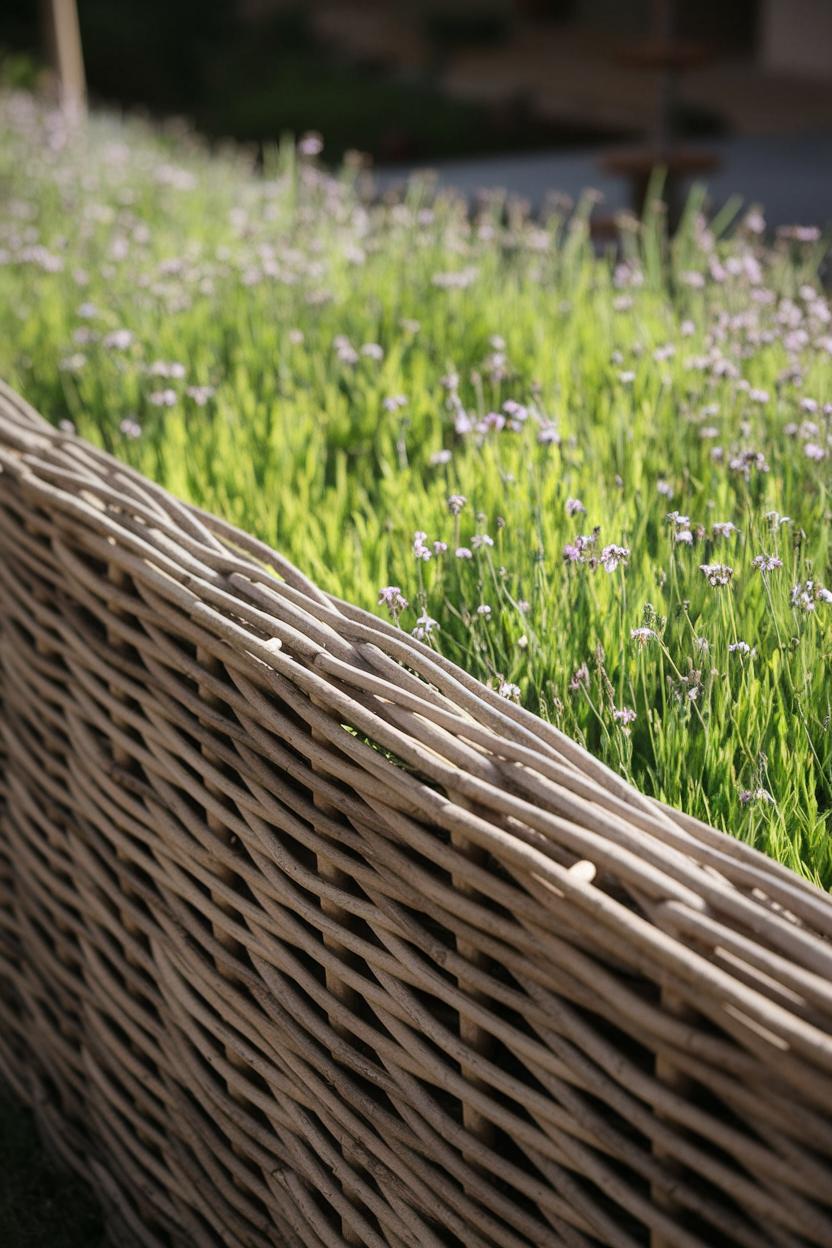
(667, 1074)
(62, 34)
(470, 1032)
(329, 872)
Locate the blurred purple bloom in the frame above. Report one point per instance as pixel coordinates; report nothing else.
(717, 573)
(613, 556)
(766, 563)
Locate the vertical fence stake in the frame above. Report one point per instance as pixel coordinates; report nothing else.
(671, 1077)
(332, 875)
(225, 874)
(121, 758)
(213, 667)
(474, 1036)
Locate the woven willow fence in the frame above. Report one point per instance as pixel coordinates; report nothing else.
(308, 939)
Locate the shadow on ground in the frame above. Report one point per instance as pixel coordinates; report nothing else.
(40, 1205)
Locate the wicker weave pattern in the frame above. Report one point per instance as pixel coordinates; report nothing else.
(308, 939)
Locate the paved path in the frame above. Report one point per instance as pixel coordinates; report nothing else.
(791, 176)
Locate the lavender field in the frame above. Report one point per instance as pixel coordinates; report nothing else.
(599, 481)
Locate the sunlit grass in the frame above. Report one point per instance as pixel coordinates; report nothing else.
(341, 369)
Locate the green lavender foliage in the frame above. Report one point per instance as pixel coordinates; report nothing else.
(328, 370)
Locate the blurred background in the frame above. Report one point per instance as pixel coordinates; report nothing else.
(533, 95)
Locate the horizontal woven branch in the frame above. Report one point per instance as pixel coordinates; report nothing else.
(307, 938)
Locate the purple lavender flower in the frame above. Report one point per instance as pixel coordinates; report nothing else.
(492, 421)
(799, 233)
(420, 549)
(163, 368)
(391, 596)
(624, 715)
(756, 795)
(200, 394)
(766, 563)
(642, 635)
(118, 340)
(613, 556)
(548, 434)
(580, 678)
(461, 279)
(745, 461)
(805, 595)
(574, 506)
(164, 398)
(311, 144)
(518, 414)
(717, 574)
(424, 627)
(345, 351)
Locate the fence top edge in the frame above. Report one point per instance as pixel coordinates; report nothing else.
(531, 773)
